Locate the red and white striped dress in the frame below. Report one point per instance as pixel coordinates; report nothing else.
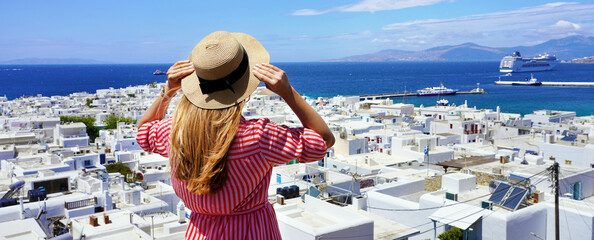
(240, 210)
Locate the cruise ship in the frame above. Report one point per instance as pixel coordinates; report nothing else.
(515, 63)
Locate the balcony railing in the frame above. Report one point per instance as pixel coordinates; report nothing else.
(80, 203)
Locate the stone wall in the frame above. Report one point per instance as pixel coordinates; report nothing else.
(483, 178)
(433, 183)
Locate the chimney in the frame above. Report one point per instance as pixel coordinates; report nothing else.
(93, 221)
(106, 218)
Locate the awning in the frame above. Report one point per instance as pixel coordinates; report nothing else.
(461, 215)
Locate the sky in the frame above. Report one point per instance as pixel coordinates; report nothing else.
(150, 31)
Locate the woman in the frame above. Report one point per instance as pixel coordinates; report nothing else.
(222, 163)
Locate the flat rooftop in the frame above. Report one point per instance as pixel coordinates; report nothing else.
(373, 160)
(384, 228)
(467, 162)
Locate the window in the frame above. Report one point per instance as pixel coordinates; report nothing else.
(567, 162)
(87, 162)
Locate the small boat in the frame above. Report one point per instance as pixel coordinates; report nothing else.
(532, 81)
(432, 91)
(159, 72)
(443, 102)
(529, 82)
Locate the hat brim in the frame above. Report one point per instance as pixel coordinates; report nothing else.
(242, 89)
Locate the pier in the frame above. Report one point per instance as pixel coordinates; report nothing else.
(408, 94)
(562, 84)
(573, 84)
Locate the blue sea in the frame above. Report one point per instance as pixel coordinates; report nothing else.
(331, 79)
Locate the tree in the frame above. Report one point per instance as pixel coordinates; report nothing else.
(121, 168)
(89, 101)
(452, 234)
(118, 167)
(92, 131)
(111, 121)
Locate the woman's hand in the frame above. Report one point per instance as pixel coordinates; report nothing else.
(176, 73)
(275, 79)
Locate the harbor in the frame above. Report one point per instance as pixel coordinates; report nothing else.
(410, 94)
(558, 84)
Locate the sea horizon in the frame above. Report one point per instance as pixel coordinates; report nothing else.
(328, 79)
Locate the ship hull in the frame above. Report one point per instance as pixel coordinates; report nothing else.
(511, 64)
(435, 94)
(527, 84)
(527, 69)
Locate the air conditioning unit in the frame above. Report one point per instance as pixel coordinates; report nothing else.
(452, 196)
(487, 205)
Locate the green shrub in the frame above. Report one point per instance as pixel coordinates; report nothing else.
(92, 131)
(111, 121)
(452, 234)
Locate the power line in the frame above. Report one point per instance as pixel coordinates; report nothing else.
(469, 200)
(492, 211)
(574, 207)
(465, 216)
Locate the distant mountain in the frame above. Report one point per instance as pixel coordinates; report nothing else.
(53, 61)
(385, 55)
(565, 49)
(582, 60)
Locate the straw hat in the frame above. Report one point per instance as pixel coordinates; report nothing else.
(223, 76)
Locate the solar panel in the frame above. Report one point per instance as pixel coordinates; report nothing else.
(499, 193)
(515, 198)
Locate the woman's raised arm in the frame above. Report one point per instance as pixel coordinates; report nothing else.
(174, 76)
(276, 80)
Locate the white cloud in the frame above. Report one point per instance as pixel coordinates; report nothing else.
(518, 18)
(347, 36)
(369, 6)
(503, 28)
(381, 40)
(561, 28)
(562, 24)
(308, 12)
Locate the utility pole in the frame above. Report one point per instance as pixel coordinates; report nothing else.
(556, 186)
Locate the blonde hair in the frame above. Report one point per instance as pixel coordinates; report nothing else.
(200, 140)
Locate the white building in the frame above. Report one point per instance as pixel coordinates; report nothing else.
(71, 135)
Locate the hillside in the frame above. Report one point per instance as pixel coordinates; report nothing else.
(52, 61)
(581, 60)
(565, 49)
